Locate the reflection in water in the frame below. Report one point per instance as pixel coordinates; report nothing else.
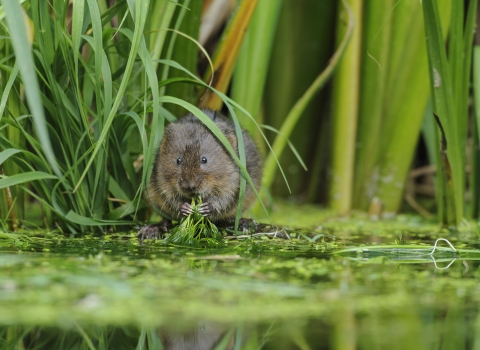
(206, 336)
(449, 328)
(375, 297)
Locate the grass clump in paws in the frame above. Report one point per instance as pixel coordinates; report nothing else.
(196, 230)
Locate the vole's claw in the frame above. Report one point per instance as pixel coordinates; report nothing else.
(186, 209)
(205, 209)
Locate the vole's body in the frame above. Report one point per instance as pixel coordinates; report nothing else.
(191, 161)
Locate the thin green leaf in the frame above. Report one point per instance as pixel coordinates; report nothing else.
(82, 220)
(15, 22)
(4, 155)
(444, 107)
(166, 10)
(8, 181)
(140, 16)
(8, 87)
(290, 144)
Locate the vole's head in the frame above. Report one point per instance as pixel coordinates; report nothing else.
(192, 161)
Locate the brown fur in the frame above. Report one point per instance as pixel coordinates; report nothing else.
(217, 181)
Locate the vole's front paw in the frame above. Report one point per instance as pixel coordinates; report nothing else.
(154, 231)
(205, 209)
(186, 209)
(149, 231)
(247, 225)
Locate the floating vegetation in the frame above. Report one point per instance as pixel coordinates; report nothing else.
(196, 230)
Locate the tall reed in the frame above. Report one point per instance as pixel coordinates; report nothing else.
(81, 161)
(449, 83)
(344, 115)
(387, 101)
(95, 113)
(85, 99)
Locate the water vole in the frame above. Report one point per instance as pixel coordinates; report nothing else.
(191, 161)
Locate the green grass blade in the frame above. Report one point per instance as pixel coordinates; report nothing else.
(141, 9)
(173, 39)
(157, 118)
(8, 181)
(166, 10)
(85, 221)
(185, 52)
(464, 105)
(18, 33)
(98, 49)
(7, 89)
(455, 51)
(476, 105)
(290, 144)
(474, 178)
(153, 340)
(77, 24)
(46, 38)
(141, 340)
(2, 12)
(116, 190)
(444, 107)
(226, 341)
(4, 155)
(243, 160)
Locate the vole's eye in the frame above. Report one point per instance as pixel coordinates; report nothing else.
(204, 160)
(179, 161)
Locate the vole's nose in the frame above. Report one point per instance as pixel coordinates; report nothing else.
(191, 185)
(191, 188)
(188, 186)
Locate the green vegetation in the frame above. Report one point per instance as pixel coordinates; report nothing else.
(449, 82)
(87, 88)
(392, 92)
(115, 292)
(195, 230)
(85, 142)
(350, 86)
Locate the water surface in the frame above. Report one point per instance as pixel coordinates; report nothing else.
(341, 284)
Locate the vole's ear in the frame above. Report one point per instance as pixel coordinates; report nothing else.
(229, 133)
(168, 131)
(173, 131)
(232, 139)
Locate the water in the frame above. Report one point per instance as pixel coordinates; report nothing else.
(371, 288)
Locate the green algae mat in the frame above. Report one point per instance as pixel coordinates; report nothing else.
(336, 284)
